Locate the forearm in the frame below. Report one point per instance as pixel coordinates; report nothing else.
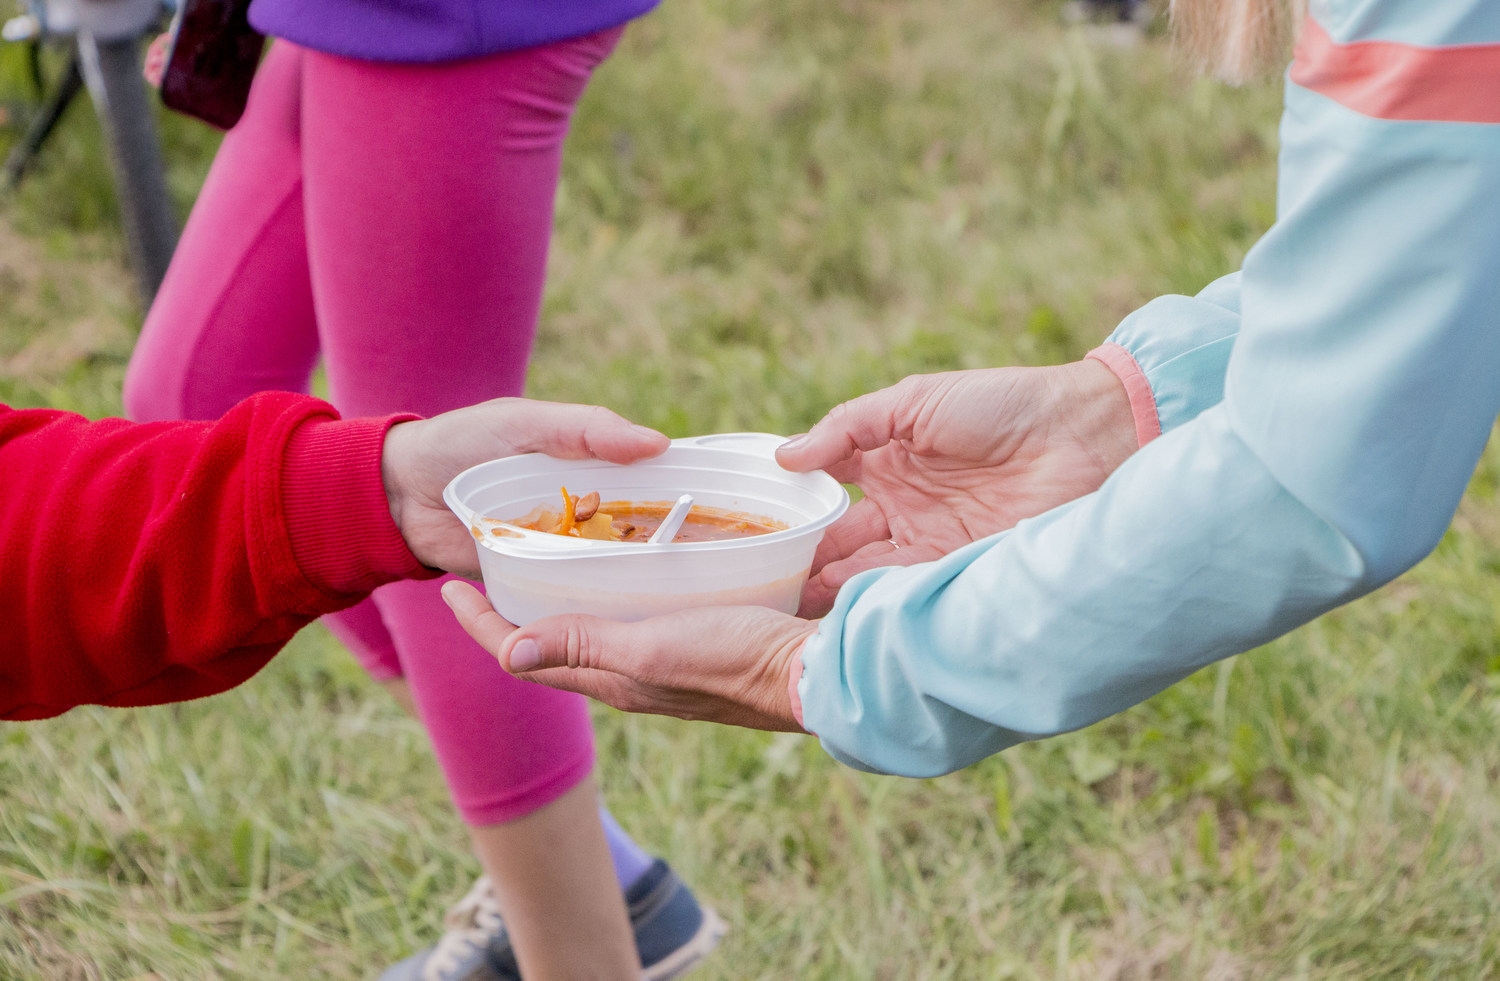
(158, 562)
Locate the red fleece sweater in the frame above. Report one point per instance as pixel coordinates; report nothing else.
(156, 562)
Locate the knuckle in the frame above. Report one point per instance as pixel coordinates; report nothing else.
(578, 647)
(572, 646)
(599, 417)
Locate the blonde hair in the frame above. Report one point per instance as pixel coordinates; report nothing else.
(1237, 40)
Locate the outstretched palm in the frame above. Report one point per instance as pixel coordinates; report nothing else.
(944, 460)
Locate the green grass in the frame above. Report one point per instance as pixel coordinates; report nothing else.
(768, 208)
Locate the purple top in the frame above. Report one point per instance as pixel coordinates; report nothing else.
(435, 30)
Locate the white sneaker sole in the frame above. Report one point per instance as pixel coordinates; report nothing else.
(686, 957)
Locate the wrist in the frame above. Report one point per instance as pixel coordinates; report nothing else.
(402, 476)
(1118, 413)
(1130, 385)
(393, 451)
(792, 673)
(793, 679)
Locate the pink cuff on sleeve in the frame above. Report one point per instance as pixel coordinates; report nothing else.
(1137, 389)
(794, 675)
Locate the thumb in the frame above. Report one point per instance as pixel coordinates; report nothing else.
(584, 431)
(569, 641)
(857, 426)
(474, 613)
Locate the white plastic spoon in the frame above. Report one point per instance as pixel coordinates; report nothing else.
(667, 530)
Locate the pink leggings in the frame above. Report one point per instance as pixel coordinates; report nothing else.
(393, 219)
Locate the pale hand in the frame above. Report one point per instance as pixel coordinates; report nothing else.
(420, 457)
(947, 459)
(724, 664)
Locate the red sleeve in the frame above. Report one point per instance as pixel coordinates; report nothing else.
(154, 562)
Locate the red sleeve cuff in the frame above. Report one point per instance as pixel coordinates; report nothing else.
(337, 516)
(1137, 389)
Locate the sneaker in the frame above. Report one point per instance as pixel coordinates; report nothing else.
(673, 932)
(461, 953)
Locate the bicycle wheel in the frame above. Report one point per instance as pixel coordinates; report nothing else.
(112, 70)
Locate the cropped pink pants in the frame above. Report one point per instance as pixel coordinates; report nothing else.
(394, 221)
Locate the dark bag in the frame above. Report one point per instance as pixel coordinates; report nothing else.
(211, 61)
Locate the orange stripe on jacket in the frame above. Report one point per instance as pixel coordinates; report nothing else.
(1387, 80)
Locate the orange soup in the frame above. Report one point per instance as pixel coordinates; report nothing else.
(635, 521)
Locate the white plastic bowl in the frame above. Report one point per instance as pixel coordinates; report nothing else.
(527, 579)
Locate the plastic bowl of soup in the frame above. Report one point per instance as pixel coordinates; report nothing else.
(748, 541)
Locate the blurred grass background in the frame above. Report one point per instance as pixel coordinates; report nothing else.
(768, 208)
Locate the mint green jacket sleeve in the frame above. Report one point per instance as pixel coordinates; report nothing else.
(1172, 355)
(1360, 388)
